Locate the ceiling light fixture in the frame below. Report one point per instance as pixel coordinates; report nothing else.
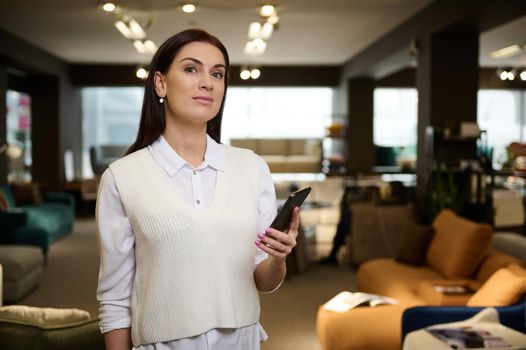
(188, 8)
(255, 73)
(249, 72)
(109, 7)
(131, 29)
(245, 74)
(139, 46)
(257, 30)
(260, 32)
(136, 29)
(267, 10)
(273, 19)
(123, 29)
(141, 73)
(150, 45)
(255, 47)
(507, 51)
(523, 75)
(507, 74)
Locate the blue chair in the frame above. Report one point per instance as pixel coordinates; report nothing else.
(419, 317)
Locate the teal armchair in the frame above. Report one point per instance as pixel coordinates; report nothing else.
(36, 224)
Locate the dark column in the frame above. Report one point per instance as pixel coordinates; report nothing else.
(360, 124)
(47, 163)
(3, 122)
(447, 83)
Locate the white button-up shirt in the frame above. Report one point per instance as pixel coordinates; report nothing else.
(196, 186)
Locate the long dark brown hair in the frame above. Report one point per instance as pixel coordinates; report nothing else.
(152, 115)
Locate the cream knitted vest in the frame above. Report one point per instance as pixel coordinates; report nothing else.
(194, 268)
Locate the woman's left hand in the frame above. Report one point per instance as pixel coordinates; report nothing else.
(279, 244)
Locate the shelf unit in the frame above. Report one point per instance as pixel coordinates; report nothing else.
(335, 146)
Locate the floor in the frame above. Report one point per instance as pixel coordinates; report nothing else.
(288, 315)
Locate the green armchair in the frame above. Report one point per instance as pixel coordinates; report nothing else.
(37, 224)
(23, 327)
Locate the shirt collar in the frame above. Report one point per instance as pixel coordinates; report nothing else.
(171, 162)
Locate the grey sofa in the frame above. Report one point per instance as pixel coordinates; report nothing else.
(22, 271)
(102, 155)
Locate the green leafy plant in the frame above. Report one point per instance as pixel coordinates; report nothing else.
(443, 192)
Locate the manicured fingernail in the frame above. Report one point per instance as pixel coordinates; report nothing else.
(268, 230)
(258, 242)
(261, 236)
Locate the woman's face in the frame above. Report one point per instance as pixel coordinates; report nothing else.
(194, 85)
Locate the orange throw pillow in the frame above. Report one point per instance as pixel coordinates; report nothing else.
(3, 202)
(458, 245)
(503, 288)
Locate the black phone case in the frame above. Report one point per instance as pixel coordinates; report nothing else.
(296, 199)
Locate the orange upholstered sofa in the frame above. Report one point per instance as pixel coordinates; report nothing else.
(459, 254)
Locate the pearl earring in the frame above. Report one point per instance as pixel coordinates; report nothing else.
(161, 100)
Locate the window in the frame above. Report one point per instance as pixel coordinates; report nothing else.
(276, 112)
(502, 114)
(395, 126)
(110, 117)
(19, 135)
(395, 117)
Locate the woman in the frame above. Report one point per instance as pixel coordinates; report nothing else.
(183, 220)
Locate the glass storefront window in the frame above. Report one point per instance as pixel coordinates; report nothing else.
(501, 114)
(19, 136)
(273, 112)
(111, 115)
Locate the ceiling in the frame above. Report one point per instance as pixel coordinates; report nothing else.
(310, 32)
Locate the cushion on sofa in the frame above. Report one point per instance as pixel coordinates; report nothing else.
(274, 147)
(8, 195)
(493, 261)
(297, 146)
(251, 144)
(26, 193)
(3, 201)
(303, 164)
(390, 278)
(276, 164)
(505, 287)
(458, 245)
(413, 245)
(22, 327)
(43, 317)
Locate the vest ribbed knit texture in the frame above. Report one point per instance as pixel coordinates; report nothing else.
(194, 268)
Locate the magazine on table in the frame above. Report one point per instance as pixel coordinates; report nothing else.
(345, 301)
(454, 290)
(468, 338)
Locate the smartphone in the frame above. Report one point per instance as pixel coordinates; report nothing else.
(296, 199)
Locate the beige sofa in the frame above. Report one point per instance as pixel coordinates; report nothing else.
(301, 155)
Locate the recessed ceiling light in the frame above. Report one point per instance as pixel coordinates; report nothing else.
(188, 8)
(255, 73)
(267, 10)
(141, 73)
(109, 7)
(273, 19)
(245, 74)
